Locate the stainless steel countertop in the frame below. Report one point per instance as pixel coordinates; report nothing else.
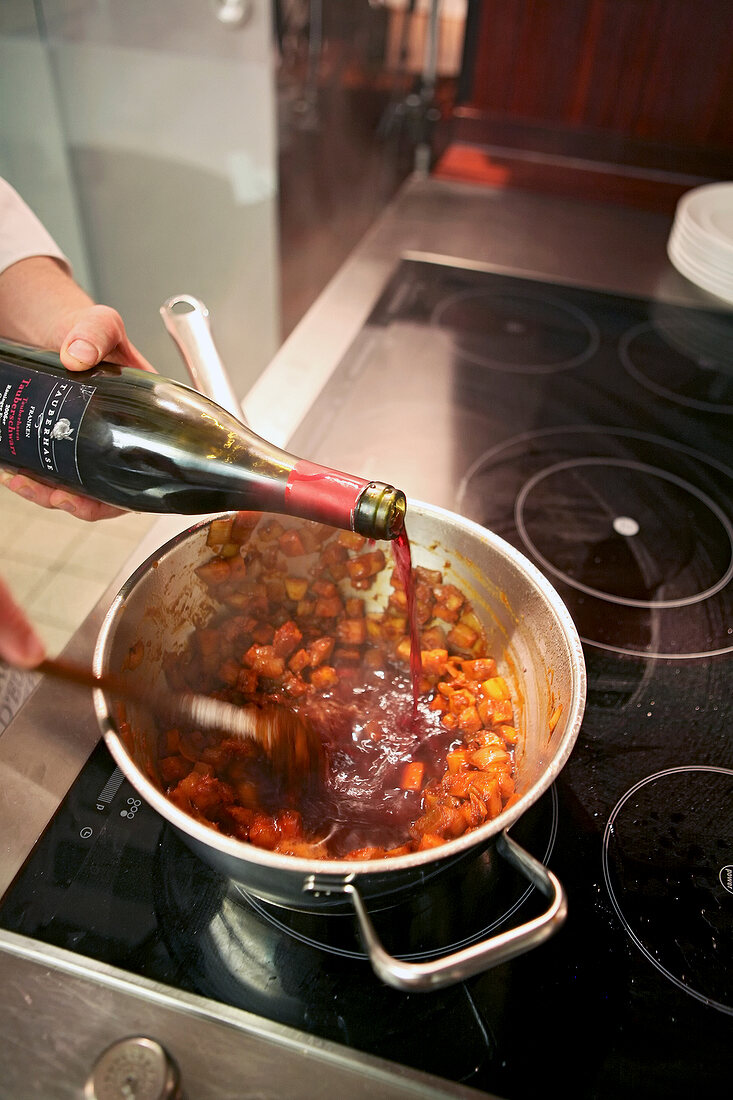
(589, 243)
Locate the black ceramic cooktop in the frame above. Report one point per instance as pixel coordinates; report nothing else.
(593, 432)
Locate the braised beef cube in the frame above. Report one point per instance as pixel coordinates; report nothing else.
(320, 650)
(291, 543)
(287, 638)
(351, 632)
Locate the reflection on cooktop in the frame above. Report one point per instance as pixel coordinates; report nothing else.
(632, 529)
(668, 866)
(589, 430)
(524, 332)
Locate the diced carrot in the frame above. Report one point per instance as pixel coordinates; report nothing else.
(509, 733)
(496, 688)
(438, 702)
(457, 760)
(324, 677)
(412, 776)
(263, 831)
(461, 699)
(442, 611)
(469, 721)
(434, 661)
(503, 712)
(486, 757)
(430, 840)
(480, 668)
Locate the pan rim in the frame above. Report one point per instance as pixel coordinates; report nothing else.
(333, 869)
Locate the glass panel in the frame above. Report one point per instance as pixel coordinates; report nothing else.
(152, 159)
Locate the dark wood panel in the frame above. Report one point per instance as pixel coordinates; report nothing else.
(651, 69)
(500, 168)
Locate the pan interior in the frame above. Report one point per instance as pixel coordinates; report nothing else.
(528, 631)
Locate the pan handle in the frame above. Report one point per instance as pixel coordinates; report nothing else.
(187, 321)
(427, 976)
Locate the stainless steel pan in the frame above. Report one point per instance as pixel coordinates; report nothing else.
(530, 632)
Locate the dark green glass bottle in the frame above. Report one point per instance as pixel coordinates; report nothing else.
(146, 443)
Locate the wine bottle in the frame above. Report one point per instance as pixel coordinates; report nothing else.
(146, 443)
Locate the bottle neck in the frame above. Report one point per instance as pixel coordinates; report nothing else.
(344, 500)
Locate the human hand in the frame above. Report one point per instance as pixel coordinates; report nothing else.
(19, 643)
(84, 337)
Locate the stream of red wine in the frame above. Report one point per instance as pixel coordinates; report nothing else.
(403, 565)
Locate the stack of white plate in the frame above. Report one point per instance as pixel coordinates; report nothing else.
(701, 242)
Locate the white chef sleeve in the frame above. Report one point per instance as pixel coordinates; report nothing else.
(21, 233)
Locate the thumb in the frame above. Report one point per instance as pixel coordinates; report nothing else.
(99, 333)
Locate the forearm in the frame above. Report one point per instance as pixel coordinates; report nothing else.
(39, 301)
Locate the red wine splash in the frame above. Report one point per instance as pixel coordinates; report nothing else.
(403, 565)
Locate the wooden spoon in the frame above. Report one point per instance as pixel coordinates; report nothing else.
(288, 738)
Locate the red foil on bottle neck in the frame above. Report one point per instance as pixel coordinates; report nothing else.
(322, 494)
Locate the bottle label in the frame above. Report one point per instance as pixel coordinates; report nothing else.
(40, 418)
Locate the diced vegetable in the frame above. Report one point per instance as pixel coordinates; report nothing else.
(412, 776)
(313, 641)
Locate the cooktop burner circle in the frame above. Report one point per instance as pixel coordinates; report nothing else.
(667, 868)
(626, 526)
(518, 332)
(686, 365)
(622, 519)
